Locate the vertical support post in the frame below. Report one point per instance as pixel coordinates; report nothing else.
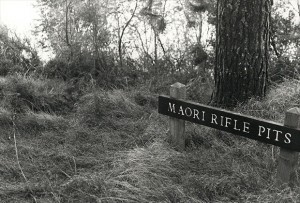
(177, 126)
(288, 160)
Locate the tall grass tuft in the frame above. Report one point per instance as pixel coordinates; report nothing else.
(138, 175)
(111, 118)
(107, 107)
(279, 99)
(20, 94)
(112, 148)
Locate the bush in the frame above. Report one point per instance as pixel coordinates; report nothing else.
(5, 67)
(31, 123)
(279, 99)
(97, 107)
(20, 94)
(55, 68)
(145, 99)
(82, 67)
(283, 68)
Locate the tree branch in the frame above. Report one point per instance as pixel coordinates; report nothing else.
(123, 31)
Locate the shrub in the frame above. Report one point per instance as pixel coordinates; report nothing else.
(111, 118)
(145, 99)
(32, 122)
(20, 94)
(279, 99)
(283, 68)
(5, 66)
(55, 68)
(107, 107)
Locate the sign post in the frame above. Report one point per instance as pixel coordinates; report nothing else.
(288, 159)
(177, 126)
(286, 136)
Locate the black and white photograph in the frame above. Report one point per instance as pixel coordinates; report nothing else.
(145, 101)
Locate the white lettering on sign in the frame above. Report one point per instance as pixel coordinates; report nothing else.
(188, 112)
(261, 129)
(274, 134)
(246, 127)
(227, 121)
(196, 114)
(231, 124)
(181, 110)
(268, 137)
(171, 108)
(221, 124)
(235, 125)
(214, 119)
(277, 134)
(287, 138)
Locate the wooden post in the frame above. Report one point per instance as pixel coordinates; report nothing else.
(177, 126)
(288, 160)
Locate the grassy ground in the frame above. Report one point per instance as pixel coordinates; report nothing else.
(111, 146)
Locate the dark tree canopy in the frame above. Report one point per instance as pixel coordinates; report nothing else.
(242, 50)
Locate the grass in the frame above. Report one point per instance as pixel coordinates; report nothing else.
(112, 146)
(279, 99)
(20, 94)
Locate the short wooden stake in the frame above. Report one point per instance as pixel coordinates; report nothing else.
(177, 126)
(288, 160)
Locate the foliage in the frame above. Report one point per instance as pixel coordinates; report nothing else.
(78, 142)
(106, 106)
(283, 68)
(119, 153)
(77, 30)
(284, 41)
(86, 37)
(19, 94)
(16, 54)
(280, 98)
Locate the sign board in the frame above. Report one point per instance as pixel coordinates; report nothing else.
(246, 126)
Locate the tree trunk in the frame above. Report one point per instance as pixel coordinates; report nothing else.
(242, 50)
(121, 34)
(67, 23)
(155, 52)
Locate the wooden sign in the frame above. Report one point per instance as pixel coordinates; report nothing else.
(247, 126)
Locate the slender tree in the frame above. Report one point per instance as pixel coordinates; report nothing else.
(121, 33)
(242, 50)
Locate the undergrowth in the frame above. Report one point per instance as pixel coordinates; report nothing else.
(279, 99)
(20, 94)
(112, 146)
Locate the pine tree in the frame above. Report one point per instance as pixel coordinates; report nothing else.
(242, 50)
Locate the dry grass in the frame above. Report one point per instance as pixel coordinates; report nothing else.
(113, 148)
(279, 99)
(113, 117)
(20, 94)
(139, 175)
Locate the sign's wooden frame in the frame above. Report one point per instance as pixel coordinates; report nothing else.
(286, 136)
(246, 126)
